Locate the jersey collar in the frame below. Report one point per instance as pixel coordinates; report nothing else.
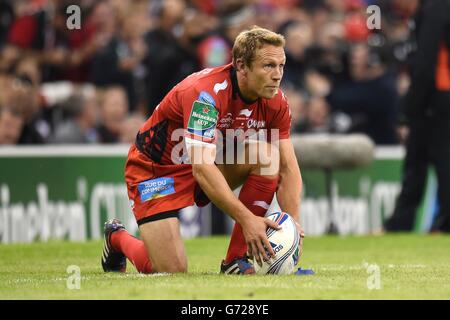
(236, 91)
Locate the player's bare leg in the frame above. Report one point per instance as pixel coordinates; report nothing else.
(162, 239)
(160, 250)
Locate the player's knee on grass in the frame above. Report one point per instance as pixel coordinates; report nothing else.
(164, 245)
(174, 265)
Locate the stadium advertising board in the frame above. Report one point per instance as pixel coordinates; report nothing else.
(68, 192)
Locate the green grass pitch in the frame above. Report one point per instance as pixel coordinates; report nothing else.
(384, 267)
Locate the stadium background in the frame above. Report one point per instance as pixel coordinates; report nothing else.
(96, 85)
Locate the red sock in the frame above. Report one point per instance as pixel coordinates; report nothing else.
(256, 194)
(133, 249)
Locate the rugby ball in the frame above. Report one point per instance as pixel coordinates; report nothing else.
(285, 243)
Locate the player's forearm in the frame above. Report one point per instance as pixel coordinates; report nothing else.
(216, 188)
(289, 191)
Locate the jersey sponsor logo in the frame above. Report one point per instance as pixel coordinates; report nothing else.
(258, 124)
(207, 98)
(220, 86)
(156, 188)
(225, 122)
(245, 112)
(203, 119)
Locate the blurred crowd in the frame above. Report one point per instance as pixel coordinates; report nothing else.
(99, 83)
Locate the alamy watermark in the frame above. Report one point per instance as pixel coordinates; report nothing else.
(73, 281)
(74, 19)
(374, 18)
(373, 281)
(234, 146)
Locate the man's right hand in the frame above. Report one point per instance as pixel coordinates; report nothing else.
(211, 180)
(254, 230)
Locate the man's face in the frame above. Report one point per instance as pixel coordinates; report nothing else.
(10, 127)
(263, 77)
(114, 109)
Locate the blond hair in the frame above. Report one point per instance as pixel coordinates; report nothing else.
(248, 41)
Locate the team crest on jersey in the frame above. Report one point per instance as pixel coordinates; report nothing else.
(203, 120)
(207, 98)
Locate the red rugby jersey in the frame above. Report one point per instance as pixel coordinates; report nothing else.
(201, 108)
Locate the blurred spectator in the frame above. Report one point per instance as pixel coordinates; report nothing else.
(11, 114)
(130, 127)
(273, 14)
(66, 54)
(20, 33)
(299, 38)
(113, 111)
(147, 46)
(215, 48)
(296, 106)
(39, 29)
(11, 124)
(355, 27)
(317, 84)
(425, 119)
(209, 41)
(120, 60)
(27, 81)
(317, 119)
(167, 61)
(370, 96)
(6, 18)
(20, 95)
(26, 29)
(79, 124)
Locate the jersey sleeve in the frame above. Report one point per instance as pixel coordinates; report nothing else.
(282, 118)
(200, 116)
